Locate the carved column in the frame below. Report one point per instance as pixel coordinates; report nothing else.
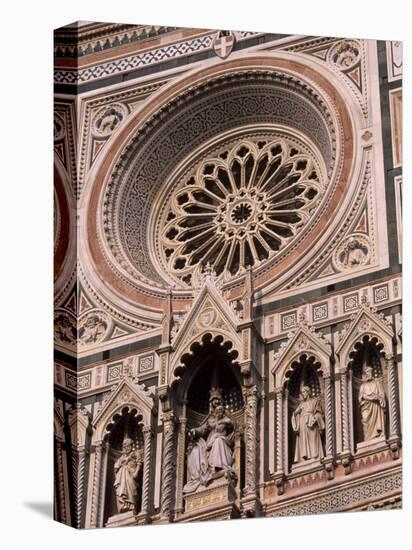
(96, 484)
(181, 446)
(147, 461)
(393, 405)
(251, 440)
(346, 447)
(102, 482)
(168, 466)
(250, 497)
(329, 422)
(286, 430)
(78, 470)
(279, 395)
(60, 485)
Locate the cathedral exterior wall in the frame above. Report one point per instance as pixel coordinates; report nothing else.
(228, 275)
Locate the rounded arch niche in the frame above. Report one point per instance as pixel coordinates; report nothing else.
(125, 426)
(209, 377)
(212, 360)
(261, 101)
(367, 352)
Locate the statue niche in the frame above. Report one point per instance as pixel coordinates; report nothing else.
(306, 414)
(127, 469)
(213, 413)
(368, 393)
(124, 463)
(211, 447)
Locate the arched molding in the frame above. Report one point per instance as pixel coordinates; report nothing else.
(126, 394)
(320, 79)
(366, 322)
(208, 319)
(305, 340)
(65, 227)
(366, 325)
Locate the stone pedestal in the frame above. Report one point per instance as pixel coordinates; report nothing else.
(305, 465)
(121, 520)
(215, 501)
(371, 444)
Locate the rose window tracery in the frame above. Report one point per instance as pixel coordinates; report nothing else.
(240, 207)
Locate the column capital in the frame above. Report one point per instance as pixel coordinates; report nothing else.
(168, 417)
(147, 430)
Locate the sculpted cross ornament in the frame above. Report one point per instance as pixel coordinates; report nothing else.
(223, 44)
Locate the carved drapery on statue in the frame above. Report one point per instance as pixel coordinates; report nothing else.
(210, 471)
(308, 423)
(372, 405)
(212, 443)
(127, 469)
(365, 377)
(304, 402)
(306, 413)
(124, 464)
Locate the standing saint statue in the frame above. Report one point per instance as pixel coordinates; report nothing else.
(211, 455)
(127, 469)
(372, 405)
(308, 423)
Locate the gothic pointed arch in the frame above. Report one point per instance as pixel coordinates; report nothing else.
(304, 340)
(367, 367)
(366, 322)
(126, 394)
(122, 435)
(209, 318)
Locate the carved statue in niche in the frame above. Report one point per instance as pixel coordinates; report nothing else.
(372, 405)
(308, 423)
(211, 456)
(127, 469)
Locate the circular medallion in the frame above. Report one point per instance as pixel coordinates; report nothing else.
(353, 252)
(108, 119)
(345, 54)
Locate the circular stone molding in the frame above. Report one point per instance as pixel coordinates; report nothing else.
(238, 208)
(93, 327)
(353, 252)
(108, 118)
(231, 118)
(345, 54)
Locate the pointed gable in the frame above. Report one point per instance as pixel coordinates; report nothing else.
(127, 393)
(209, 314)
(304, 340)
(365, 322)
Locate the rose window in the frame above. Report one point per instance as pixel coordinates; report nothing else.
(239, 208)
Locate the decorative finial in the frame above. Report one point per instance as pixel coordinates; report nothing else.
(208, 270)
